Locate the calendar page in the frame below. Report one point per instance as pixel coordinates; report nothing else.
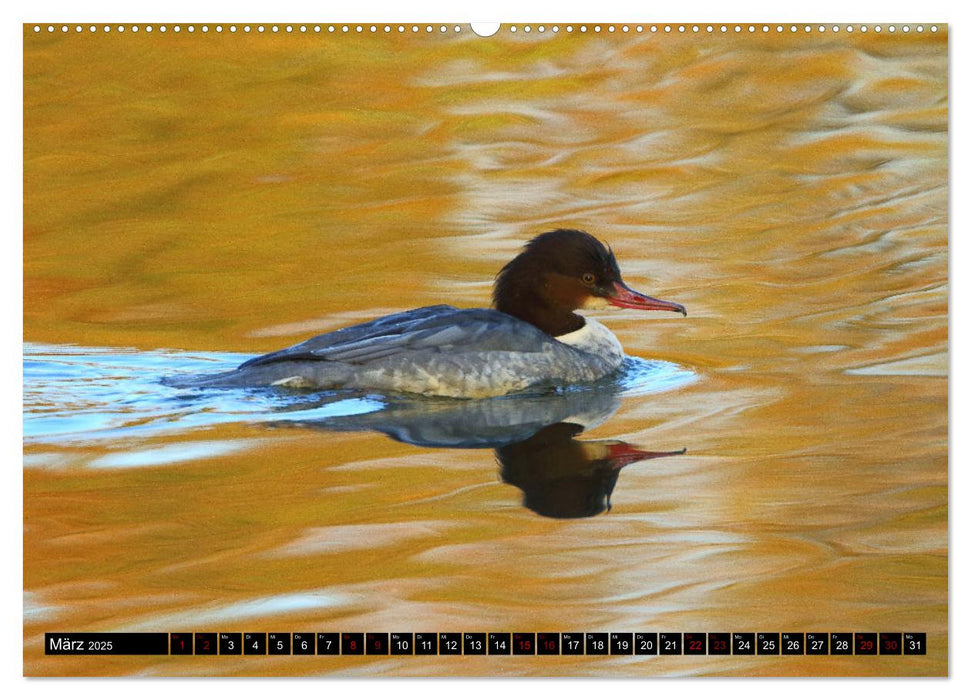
(601, 350)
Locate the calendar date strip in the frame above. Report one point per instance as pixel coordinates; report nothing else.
(486, 643)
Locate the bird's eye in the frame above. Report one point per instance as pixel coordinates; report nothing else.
(587, 278)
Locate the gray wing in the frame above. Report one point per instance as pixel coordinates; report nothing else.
(439, 328)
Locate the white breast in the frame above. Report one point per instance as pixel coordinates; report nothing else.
(596, 339)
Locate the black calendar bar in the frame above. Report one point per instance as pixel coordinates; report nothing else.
(106, 644)
(498, 644)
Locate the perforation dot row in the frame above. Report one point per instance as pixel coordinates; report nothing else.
(414, 28)
(258, 28)
(723, 28)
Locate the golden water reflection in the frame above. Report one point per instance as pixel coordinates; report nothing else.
(238, 193)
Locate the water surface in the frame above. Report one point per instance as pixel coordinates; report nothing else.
(190, 201)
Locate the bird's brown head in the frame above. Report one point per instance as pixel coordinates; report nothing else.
(561, 271)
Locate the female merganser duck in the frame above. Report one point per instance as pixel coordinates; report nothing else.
(532, 338)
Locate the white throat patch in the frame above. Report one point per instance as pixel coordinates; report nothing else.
(595, 338)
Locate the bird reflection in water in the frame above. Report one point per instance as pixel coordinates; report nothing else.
(534, 438)
(561, 477)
